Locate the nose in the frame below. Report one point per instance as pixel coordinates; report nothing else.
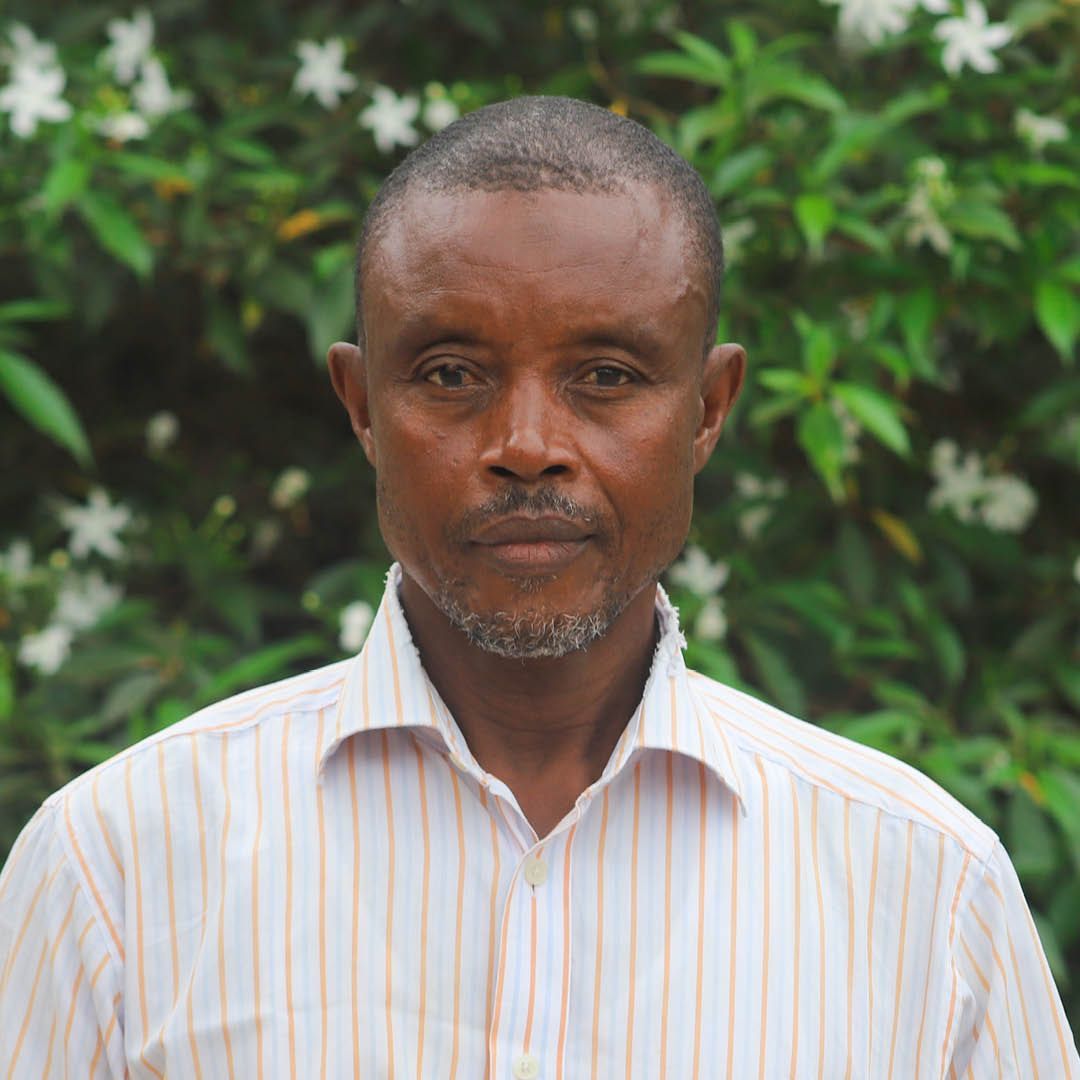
(525, 437)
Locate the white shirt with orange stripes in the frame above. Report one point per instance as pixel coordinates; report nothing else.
(317, 879)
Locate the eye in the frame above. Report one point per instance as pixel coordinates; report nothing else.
(448, 376)
(608, 376)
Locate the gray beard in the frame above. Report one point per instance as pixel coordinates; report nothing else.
(530, 636)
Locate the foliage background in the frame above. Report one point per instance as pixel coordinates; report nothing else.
(904, 267)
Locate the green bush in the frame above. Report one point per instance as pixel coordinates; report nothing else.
(188, 515)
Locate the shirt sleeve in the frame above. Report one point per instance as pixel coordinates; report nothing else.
(60, 982)
(1010, 1021)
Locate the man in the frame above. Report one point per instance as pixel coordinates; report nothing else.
(515, 836)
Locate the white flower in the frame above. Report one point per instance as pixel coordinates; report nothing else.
(761, 493)
(871, 21)
(33, 95)
(440, 112)
(390, 119)
(322, 72)
(161, 431)
(698, 573)
(1076, 570)
(937, 7)
(932, 190)
(47, 649)
(124, 126)
(1039, 131)
(152, 93)
(131, 40)
(289, 488)
(27, 51)
(959, 481)
(585, 23)
(95, 527)
(711, 623)
(83, 599)
(970, 39)
(18, 562)
(1009, 503)
(354, 622)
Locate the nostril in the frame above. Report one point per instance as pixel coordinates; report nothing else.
(501, 470)
(555, 470)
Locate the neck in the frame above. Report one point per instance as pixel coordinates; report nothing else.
(553, 722)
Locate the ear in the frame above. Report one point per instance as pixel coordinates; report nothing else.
(721, 381)
(348, 373)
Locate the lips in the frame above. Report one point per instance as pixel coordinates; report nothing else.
(531, 530)
(527, 546)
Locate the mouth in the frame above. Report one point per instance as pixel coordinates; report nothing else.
(532, 545)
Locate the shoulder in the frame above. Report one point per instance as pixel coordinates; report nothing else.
(856, 774)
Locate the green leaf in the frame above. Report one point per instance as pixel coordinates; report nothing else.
(1030, 840)
(1058, 313)
(877, 413)
(64, 183)
(32, 311)
(116, 231)
(982, 221)
(145, 167)
(704, 52)
(1061, 790)
(736, 169)
(785, 381)
(815, 214)
(822, 437)
(916, 313)
(776, 674)
(770, 82)
(677, 65)
(265, 665)
(40, 401)
(819, 351)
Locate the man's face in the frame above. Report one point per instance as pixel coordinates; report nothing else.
(534, 400)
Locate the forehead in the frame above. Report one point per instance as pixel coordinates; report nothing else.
(556, 255)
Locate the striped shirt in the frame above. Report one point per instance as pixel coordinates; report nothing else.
(317, 879)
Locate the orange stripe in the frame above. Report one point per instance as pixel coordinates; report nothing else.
(665, 999)
(952, 932)
(850, 870)
(527, 1035)
(797, 944)
(821, 1002)
(102, 911)
(1050, 993)
(857, 751)
(108, 1035)
(929, 963)
(70, 1023)
(320, 814)
(29, 1011)
(765, 906)
(564, 1011)
(456, 785)
(632, 946)
(169, 882)
(425, 881)
(140, 949)
(52, 1046)
(354, 1017)
(898, 992)
(492, 919)
(870, 937)
(1001, 971)
(286, 807)
(599, 932)
(1019, 981)
(256, 935)
(105, 835)
(734, 935)
(9, 966)
(493, 1035)
(222, 987)
(699, 982)
(389, 903)
(202, 911)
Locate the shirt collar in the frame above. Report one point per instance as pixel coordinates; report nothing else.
(386, 687)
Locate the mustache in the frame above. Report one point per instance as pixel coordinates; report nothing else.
(519, 500)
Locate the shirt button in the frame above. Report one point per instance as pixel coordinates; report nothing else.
(526, 1067)
(536, 873)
